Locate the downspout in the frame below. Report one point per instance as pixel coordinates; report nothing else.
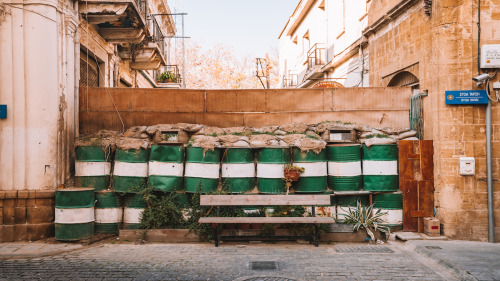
(77, 74)
(489, 151)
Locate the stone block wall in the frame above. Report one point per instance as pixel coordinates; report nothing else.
(441, 50)
(26, 215)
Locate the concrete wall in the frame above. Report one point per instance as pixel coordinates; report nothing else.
(441, 50)
(225, 108)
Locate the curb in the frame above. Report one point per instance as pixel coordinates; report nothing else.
(456, 270)
(42, 254)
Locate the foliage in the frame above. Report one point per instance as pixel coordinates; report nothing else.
(293, 167)
(219, 67)
(362, 217)
(167, 75)
(162, 211)
(377, 136)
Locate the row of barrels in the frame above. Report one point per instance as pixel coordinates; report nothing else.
(81, 212)
(193, 169)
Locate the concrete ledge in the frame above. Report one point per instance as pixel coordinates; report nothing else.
(160, 235)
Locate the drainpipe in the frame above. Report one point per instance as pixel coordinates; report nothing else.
(489, 152)
(77, 74)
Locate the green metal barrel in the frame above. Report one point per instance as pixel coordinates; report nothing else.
(108, 212)
(202, 170)
(345, 202)
(92, 167)
(130, 172)
(380, 167)
(132, 212)
(313, 179)
(392, 204)
(270, 169)
(74, 214)
(238, 170)
(166, 167)
(344, 167)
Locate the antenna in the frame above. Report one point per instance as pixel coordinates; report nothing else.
(262, 65)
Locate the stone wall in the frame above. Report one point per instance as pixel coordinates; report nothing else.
(26, 215)
(441, 50)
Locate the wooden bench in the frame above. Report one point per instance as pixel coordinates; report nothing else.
(265, 200)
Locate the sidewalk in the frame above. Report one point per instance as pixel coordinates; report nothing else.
(20, 250)
(465, 259)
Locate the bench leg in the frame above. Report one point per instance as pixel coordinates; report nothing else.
(216, 233)
(316, 235)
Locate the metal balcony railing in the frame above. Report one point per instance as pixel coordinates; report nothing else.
(174, 70)
(316, 55)
(156, 34)
(143, 8)
(290, 80)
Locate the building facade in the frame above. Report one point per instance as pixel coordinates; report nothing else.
(322, 42)
(431, 46)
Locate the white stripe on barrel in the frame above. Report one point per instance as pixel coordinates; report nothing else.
(92, 169)
(108, 215)
(270, 171)
(313, 169)
(202, 170)
(392, 216)
(380, 168)
(344, 169)
(132, 215)
(77, 215)
(126, 169)
(246, 170)
(166, 169)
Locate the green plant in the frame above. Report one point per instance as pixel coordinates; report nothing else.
(167, 75)
(162, 211)
(378, 136)
(293, 167)
(362, 217)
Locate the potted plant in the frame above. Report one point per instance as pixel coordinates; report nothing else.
(167, 77)
(292, 172)
(362, 217)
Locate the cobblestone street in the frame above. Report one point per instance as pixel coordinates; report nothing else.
(229, 262)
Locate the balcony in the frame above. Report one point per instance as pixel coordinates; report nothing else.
(173, 77)
(290, 80)
(150, 53)
(117, 21)
(316, 55)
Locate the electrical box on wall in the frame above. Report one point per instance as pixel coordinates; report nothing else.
(467, 166)
(490, 56)
(3, 111)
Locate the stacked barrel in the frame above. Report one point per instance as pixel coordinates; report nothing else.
(74, 214)
(314, 177)
(238, 170)
(392, 204)
(344, 167)
(92, 167)
(134, 206)
(380, 168)
(108, 212)
(202, 169)
(270, 169)
(130, 174)
(166, 167)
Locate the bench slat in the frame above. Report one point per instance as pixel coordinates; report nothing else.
(264, 200)
(266, 220)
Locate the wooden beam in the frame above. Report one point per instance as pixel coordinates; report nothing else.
(264, 200)
(266, 220)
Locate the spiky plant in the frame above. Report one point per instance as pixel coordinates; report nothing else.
(362, 217)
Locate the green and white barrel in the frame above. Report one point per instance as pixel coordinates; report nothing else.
(108, 212)
(238, 170)
(132, 211)
(380, 167)
(166, 167)
(92, 167)
(313, 179)
(392, 204)
(270, 169)
(345, 202)
(130, 173)
(202, 170)
(74, 214)
(344, 167)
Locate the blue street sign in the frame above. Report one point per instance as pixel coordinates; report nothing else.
(466, 97)
(3, 111)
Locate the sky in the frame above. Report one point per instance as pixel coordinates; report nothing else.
(252, 27)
